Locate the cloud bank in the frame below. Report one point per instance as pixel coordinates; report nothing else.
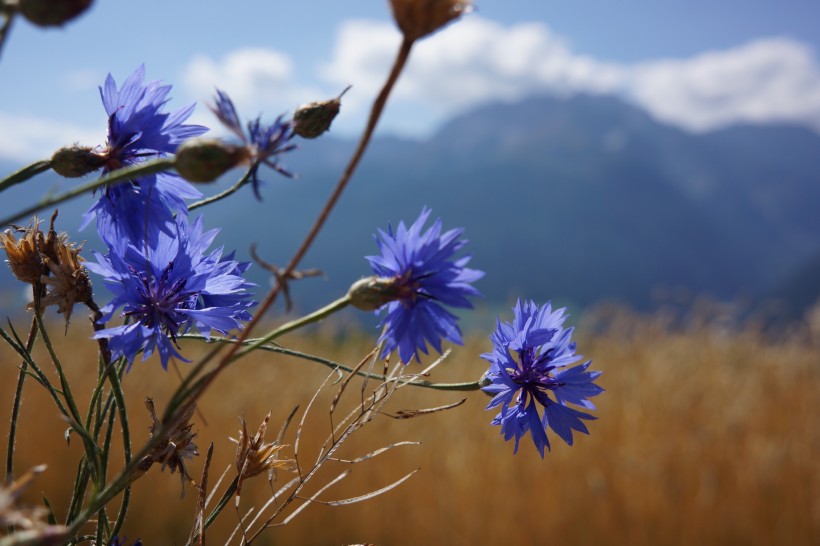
(477, 60)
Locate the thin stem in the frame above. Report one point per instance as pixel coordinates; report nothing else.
(222, 195)
(24, 174)
(124, 477)
(116, 387)
(375, 113)
(315, 316)
(18, 398)
(466, 386)
(120, 175)
(8, 18)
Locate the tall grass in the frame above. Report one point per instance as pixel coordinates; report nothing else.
(706, 436)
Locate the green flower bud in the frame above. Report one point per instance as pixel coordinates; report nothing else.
(312, 119)
(76, 161)
(370, 293)
(52, 13)
(205, 160)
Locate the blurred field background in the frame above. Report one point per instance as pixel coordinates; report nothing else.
(707, 434)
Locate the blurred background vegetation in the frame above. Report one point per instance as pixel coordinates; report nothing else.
(707, 434)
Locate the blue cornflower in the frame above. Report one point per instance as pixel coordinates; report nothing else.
(262, 142)
(139, 129)
(529, 361)
(425, 278)
(167, 286)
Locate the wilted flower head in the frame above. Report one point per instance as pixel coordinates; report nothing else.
(29, 523)
(425, 278)
(176, 447)
(263, 143)
(529, 368)
(49, 13)
(418, 18)
(68, 283)
(167, 286)
(255, 456)
(23, 255)
(139, 129)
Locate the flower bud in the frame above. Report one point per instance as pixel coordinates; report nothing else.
(205, 160)
(76, 161)
(370, 293)
(312, 119)
(51, 13)
(418, 18)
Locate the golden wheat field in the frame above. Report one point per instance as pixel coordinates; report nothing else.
(706, 435)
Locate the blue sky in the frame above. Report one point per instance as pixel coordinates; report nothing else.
(698, 64)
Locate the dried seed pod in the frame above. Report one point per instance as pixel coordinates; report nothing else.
(418, 18)
(314, 118)
(50, 13)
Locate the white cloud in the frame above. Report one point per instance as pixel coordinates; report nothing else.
(766, 80)
(28, 138)
(258, 81)
(476, 60)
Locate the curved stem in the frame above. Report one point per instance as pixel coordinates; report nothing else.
(135, 171)
(24, 174)
(315, 316)
(375, 113)
(222, 195)
(467, 386)
(18, 398)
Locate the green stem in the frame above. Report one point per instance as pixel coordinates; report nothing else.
(188, 388)
(315, 316)
(24, 174)
(116, 387)
(467, 386)
(226, 496)
(18, 398)
(221, 195)
(120, 175)
(91, 448)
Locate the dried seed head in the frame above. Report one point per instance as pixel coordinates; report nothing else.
(23, 255)
(312, 119)
(12, 515)
(205, 160)
(76, 161)
(49, 13)
(255, 456)
(69, 283)
(178, 446)
(418, 18)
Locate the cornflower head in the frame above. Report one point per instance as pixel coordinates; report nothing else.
(168, 285)
(262, 143)
(423, 277)
(140, 129)
(530, 367)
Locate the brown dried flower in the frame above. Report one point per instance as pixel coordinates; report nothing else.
(254, 455)
(29, 521)
(69, 283)
(23, 255)
(418, 18)
(178, 447)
